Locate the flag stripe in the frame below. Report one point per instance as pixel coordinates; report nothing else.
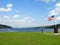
(51, 18)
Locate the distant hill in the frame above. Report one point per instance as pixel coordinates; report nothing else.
(52, 26)
(4, 26)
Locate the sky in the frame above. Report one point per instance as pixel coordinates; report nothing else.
(29, 13)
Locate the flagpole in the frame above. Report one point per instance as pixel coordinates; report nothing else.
(55, 28)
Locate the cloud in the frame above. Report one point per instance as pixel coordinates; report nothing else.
(26, 21)
(9, 8)
(9, 5)
(5, 10)
(56, 10)
(47, 1)
(15, 16)
(58, 18)
(58, 5)
(6, 17)
(53, 12)
(0, 20)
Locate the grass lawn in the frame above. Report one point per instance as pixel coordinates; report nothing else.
(28, 38)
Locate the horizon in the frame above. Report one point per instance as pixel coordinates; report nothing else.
(29, 13)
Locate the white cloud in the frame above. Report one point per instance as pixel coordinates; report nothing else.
(6, 17)
(0, 20)
(57, 5)
(9, 5)
(53, 12)
(9, 8)
(47, 1)
(58, 18)
(26, 21)
(5, 10)
(2, 9)
(15, 16)
(56, 10)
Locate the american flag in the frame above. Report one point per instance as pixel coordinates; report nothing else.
(51, 18)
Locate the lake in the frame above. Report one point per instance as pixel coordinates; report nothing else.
(27, 30)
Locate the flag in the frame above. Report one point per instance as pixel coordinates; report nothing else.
(51, 18)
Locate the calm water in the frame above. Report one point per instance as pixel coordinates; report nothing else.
(27, 30)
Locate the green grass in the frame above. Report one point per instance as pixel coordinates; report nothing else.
(28, 38)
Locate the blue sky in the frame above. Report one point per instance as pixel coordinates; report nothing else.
(29, 13)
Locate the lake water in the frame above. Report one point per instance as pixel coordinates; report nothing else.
(27, 30)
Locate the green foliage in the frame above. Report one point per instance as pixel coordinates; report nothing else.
(4, 26)
(52, 26)
(28, 38)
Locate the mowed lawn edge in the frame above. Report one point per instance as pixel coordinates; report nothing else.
(29, 38)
